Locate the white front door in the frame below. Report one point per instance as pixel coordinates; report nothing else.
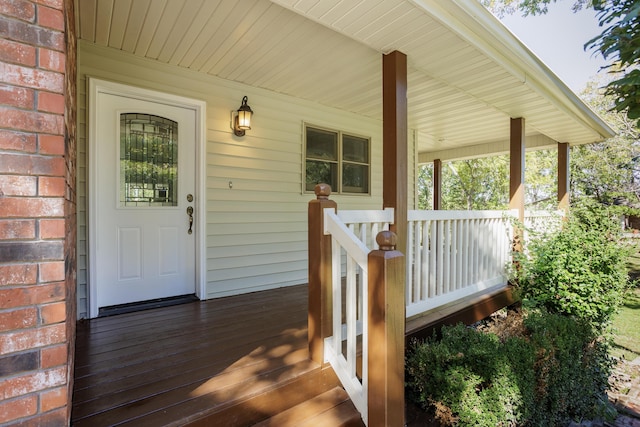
(145, 237)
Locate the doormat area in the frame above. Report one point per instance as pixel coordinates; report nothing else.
(145, 305)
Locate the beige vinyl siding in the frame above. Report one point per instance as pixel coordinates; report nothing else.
(256, 215)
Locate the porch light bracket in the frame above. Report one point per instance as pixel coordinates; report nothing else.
(241, 119)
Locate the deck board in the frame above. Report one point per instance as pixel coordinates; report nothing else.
(162, 364)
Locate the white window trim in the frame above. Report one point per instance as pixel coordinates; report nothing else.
(340, 160)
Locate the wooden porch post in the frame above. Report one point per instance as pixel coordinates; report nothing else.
(437, 184)
(516, 175)
(320, 310)
(516, 170)
(394, 150)
(386, 333)
(563, 176)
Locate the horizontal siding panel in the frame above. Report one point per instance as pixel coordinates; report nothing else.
(238, 229)
(258, 270)
(214, 159)
(248, 152)
(230, 251)
(240, 184)
(261, 218)
(223, 241)
(247, 206)
(277, 260)
(254, 174)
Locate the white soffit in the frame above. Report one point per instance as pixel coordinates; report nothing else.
(467, 74)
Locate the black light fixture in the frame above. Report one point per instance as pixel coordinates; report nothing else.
(242, 120)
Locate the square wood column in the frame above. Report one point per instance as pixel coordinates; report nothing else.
(394, 150)
(516, 167)
(437, 184)
(563, 176)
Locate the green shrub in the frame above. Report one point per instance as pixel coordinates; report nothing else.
(553, 371)
(579, 270)
(572, 369)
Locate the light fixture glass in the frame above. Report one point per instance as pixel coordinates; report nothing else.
(243, 118)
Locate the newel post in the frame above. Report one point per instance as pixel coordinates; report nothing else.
(319, 273)
(386, 333)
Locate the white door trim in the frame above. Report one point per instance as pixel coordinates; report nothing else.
(96, 86)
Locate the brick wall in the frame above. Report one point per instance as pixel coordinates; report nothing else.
(37, 211)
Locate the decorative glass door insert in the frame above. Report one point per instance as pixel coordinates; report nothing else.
(148, 161)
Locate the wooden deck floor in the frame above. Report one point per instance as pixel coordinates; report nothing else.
(236, 360)
(164, 366)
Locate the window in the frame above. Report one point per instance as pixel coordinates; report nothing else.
(336, 158)
(148, 161)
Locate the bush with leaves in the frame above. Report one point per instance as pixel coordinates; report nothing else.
(553, 371)
(579, 270)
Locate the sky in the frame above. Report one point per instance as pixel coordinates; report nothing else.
(558, 39)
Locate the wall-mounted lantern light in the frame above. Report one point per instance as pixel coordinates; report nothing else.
(241, 119)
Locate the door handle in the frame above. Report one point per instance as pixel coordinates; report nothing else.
(190, 213)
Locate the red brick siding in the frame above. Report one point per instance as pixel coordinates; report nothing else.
(37, 211)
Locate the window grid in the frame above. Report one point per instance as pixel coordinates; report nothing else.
(352, 166)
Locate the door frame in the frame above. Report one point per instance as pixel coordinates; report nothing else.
(96, 86)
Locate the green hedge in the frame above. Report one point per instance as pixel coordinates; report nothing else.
(555, 370)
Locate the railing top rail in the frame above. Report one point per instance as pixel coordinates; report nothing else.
(366, 216)
(421, 215)
(345, 237)
(543, 214)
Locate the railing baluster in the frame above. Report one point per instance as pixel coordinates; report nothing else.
(417, 265)
(351, 316)
(433, 240)
(336, 286)
(446, 256)
(424, 277)
(410, 283)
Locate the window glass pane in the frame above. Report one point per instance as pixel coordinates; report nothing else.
(355, 149)
(322, 144)
(148, 161)
(355, 178)
(321, 172)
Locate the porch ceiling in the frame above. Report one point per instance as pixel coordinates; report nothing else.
(467, 73)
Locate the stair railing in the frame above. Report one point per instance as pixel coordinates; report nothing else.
(356, 307)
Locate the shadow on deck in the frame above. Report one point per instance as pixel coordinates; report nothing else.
(234, 361)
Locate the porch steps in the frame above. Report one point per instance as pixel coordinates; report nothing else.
(330, 409)
(289, 401)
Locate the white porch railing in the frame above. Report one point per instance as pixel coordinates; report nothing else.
(344, 363)
(367, 224)
(454, 254)
(450, 255)
(353, 235)
(536, 222)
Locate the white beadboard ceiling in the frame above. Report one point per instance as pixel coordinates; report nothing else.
(467, 73)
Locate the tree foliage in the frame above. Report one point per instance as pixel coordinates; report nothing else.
(618, 43)
(527, 7)
(484, 183)
(607, 170)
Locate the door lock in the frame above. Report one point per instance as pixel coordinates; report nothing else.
(190, 213)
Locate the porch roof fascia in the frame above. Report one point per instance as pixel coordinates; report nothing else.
(497, 148)
(472, 21)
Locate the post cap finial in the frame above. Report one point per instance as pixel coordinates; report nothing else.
(322, 190)
(387, 240)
